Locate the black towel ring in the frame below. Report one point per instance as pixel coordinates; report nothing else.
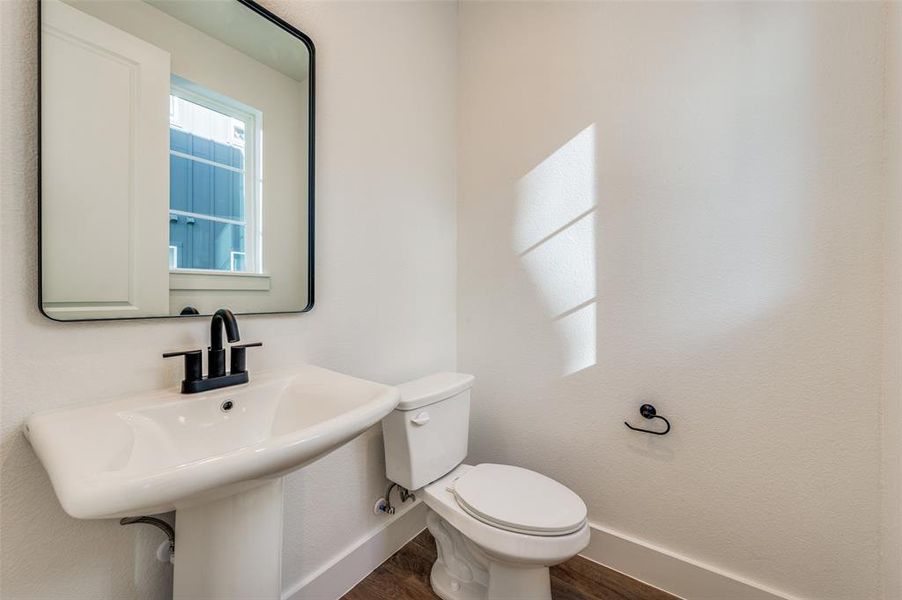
(648, 411)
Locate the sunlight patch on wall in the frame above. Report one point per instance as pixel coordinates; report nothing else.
(577, 328)
(564, 266)
(556, 192)
(554, 236)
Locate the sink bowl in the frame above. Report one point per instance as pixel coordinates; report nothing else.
(161, 451)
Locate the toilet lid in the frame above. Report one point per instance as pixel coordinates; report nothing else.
(519, 500)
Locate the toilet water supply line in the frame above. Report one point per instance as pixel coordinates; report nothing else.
(162, 554)
(384, 504)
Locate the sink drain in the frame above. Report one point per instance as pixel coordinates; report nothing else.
(227, 406)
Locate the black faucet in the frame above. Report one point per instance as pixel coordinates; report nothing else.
(194, 380)
(216, 362)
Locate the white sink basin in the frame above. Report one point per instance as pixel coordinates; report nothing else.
(161, 451)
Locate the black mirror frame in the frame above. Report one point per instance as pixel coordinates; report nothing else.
(311, 175)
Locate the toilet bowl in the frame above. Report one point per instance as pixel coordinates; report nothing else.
(484, 556)
(498, 528)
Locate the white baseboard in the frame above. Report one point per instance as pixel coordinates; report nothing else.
(671, 572)
(641, 560)
(347, 570)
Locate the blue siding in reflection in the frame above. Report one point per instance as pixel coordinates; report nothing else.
(205, 189)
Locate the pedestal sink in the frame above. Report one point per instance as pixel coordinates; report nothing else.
(215, 458)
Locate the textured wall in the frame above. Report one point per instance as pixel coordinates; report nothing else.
(682, 203)
(385, 185)
(892, 360)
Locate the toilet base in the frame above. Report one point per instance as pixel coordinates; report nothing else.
(448, 587)
(463, 571)
(507, 582)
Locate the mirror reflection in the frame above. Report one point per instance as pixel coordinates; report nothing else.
(176, 145)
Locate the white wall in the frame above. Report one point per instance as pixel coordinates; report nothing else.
(892, 406)
(682, 203)
(386, 184)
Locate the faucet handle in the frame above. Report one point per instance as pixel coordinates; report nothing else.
(239, 357)
(194, 369)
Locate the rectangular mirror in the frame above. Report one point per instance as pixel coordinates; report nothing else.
(176, 159)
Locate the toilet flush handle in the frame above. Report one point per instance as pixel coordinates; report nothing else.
(420, 419)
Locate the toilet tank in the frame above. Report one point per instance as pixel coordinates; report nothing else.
(426, 436)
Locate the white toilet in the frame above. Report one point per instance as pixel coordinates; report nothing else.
(497, 527)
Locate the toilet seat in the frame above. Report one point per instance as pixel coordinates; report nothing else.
(519, 500)
(504, 545)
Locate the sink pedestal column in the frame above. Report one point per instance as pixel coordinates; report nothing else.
(231, 549)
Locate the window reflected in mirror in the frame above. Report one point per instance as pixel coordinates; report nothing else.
(214, 190)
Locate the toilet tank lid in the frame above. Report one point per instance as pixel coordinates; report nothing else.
(432, 388)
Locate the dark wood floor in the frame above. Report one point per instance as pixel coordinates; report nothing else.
(405, 576)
